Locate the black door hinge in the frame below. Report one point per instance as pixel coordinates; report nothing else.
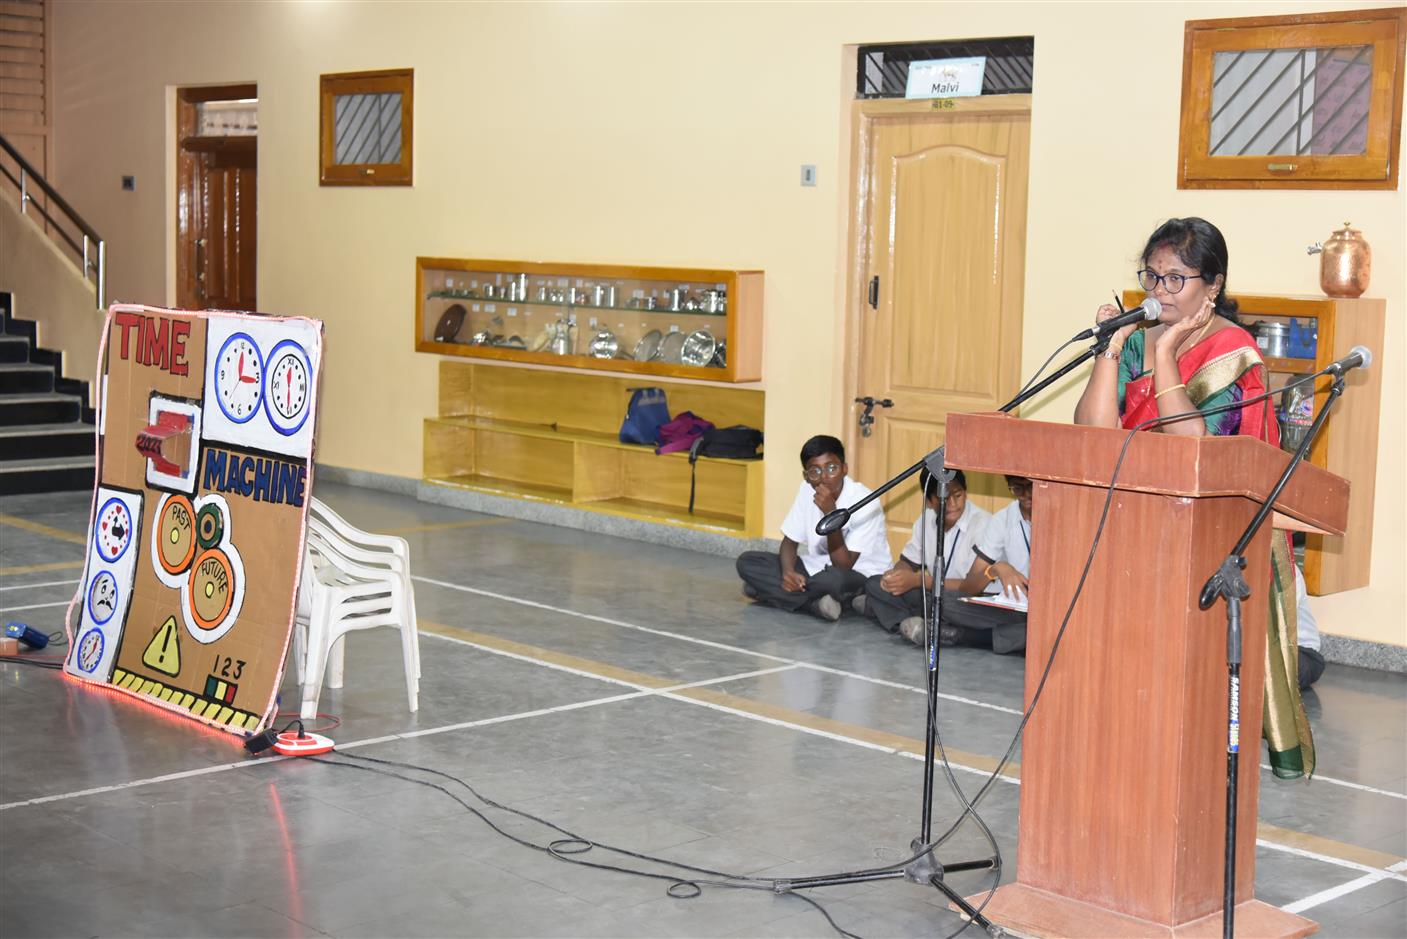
(874, 292)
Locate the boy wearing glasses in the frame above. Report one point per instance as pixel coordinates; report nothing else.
(1002, 566)
(820, 573)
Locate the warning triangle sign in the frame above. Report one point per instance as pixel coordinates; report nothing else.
(164, 651)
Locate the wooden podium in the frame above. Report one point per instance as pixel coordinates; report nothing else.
(1123, 766)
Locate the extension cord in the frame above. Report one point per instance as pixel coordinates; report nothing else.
(293, 743)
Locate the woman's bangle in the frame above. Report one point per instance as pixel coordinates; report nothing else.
(1113, 352)
(988, 572)
(1168, 391)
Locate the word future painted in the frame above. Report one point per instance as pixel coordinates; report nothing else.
(159, 341)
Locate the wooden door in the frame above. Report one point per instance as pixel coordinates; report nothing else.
(26, 95)
(941, 200)
(216, 218)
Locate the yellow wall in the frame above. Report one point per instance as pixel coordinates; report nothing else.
(50, 289)
(671, 133)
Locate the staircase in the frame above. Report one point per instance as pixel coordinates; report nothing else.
(46, 427)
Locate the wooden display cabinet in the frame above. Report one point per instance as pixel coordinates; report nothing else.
(1348, 445)
(551, 436)
(681, 322)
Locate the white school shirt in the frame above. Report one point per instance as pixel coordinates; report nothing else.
(1308, 637)
(958, 541)
(865, 532)
(1008, 538)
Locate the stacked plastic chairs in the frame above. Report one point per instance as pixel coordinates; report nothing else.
(352, 580)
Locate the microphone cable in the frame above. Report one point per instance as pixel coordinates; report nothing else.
(1067, 343)
(686, 887)
(1079, 589)
(565, 848)
(1044, 365)
(931, 702)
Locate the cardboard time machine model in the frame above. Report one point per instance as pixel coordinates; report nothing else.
(205, 444)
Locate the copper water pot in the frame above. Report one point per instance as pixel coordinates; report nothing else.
(1345, 263)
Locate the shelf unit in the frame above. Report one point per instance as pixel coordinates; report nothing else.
(511, 309)
(1348, 446)
(551, 436)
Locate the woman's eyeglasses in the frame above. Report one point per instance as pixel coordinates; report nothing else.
(1172, 283)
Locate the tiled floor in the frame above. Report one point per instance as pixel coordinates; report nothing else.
(553, 661)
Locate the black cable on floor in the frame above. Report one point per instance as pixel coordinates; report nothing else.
(1079, 589)
(564, 849)
(55, 665)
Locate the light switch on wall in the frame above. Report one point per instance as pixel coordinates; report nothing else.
(808, 174)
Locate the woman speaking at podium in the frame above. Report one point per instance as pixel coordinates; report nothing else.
(1197, 357)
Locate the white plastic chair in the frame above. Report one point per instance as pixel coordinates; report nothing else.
(347, 586)
(372, 550)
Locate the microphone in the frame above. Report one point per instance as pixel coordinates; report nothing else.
(1148, 311)
(834, 521)
(1358, 357)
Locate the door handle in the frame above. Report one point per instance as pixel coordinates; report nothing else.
(867, 415)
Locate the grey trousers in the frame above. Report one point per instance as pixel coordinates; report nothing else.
(1004, 631)
(1311, 667)
(762, 571)
(964, 624)
(889, 609)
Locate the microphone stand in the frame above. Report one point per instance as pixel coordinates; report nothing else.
(1229, 584)
(925, 868)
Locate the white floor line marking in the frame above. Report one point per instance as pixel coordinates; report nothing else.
(1318, 777)
(644, 692)
(47, 583)
(1336, 861)
(388, 738)
(958, 699)
(1391, 873)
(841, 738)
(1333, 893)
(133, 784)
(666, 692)
(33, 606)
(581, 673)
(1352, 865)
(714, 645)
(506, 718)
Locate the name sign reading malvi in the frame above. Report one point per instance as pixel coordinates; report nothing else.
(946, 78)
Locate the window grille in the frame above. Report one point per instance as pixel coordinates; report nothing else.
(884, 69)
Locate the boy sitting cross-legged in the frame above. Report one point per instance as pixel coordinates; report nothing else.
(896, 597)
(820, 573)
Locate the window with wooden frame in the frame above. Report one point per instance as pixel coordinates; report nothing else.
(1293, 102)
(366, 128)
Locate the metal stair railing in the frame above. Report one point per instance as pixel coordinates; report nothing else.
(92, 250)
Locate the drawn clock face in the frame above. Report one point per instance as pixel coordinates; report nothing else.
(239, 378)
(90, 650)
(113, 533)
(102, 597)
(289, 387)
